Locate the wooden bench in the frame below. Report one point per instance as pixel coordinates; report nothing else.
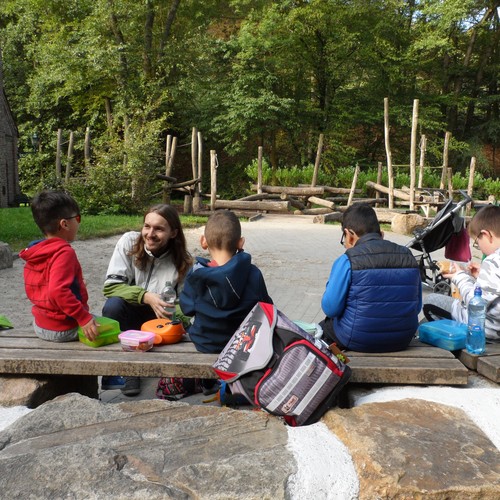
(487, 365)
(21, 353)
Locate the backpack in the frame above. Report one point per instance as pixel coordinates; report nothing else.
(277, 366)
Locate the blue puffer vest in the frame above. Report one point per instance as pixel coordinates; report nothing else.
(381, 313)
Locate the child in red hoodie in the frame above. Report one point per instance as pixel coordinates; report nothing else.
(53, 277)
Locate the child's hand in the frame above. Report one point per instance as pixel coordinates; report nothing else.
(90, 330)
(474, 269)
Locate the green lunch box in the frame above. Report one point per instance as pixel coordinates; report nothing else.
(108, 329)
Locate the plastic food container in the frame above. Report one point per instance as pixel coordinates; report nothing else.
(444, 333)
(108, 329)
(164, 330)
(135, 340)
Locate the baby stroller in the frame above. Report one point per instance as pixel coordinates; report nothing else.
(435, 236)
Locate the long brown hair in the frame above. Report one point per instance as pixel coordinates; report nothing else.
(177, 246)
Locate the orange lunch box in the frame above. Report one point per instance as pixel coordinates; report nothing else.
(165, 330)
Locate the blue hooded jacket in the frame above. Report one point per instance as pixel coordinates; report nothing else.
(219, 298)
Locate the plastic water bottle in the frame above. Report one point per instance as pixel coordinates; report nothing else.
(475, 341)
(168, 295)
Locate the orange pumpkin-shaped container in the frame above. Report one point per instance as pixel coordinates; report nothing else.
(165, 330)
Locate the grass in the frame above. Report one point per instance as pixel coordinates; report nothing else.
(17, 227)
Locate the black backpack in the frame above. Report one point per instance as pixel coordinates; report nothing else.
(279, 367)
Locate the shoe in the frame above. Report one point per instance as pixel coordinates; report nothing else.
(174, 388)
(209, 386)
(132, 386)
(111, 383)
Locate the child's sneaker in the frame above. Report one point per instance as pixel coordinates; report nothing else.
(111, 383)
(173, 388)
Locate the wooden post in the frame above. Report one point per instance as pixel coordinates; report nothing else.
(470, 187)
(213, 179)
(194, 152)
(379, 180)
(444, 172)
(259, 170)
(86, 148)
(171, 157)
(197, 205)
(353, 185)
(58, 153)
(70, 155)
(423, 147)
(413, 153)
(318, 159)
(388, 153)
(168, 147)
(449, 175)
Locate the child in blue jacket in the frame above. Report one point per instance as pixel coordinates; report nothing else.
(374, 293)
(218, 294)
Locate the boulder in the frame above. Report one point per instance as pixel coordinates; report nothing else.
(6, 257)
(407, 223)
(417, 449)
(75, 447)
(35, 390)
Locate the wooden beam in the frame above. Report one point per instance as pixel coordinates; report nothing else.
(294, 191)
(271, 206)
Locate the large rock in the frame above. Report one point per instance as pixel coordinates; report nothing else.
(417, 449)
(75, 447)
(6, 258)
(33, 391)
(407, 223)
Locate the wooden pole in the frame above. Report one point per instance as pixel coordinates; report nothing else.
(318, 159)
(259, 170)
(388, 153)
(86, 148)
(197, 205)
(58, 153)
(444, 172)
(171, 156)
(423, 148)
(379, 180)
(470, 186)
(413, 153)
(168, 147)
(70, 155)
(213, 179)
(449, 176)
(194, 151)
(353, 185)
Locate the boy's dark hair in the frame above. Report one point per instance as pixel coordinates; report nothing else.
(361, 218)
(223, 231)
(486, 219)
(49, 207)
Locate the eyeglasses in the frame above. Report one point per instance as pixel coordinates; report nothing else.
(78, 218)
(476, 242)
(342, 238)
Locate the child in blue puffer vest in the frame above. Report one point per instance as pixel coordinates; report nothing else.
(374, 294)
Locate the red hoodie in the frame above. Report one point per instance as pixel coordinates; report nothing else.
(53, 281)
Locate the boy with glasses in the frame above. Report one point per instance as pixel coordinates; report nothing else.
(374, 294)
(484, 230)
(53, 277)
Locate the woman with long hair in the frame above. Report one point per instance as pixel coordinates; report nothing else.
(141, 264)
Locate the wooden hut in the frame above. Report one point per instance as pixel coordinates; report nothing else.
(9, 174)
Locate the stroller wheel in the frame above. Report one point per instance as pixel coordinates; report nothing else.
(442, 287)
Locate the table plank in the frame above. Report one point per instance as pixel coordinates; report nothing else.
(489, 367)
(102, 362)
(418, 371)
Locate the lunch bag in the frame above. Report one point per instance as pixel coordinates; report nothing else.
(277, 366)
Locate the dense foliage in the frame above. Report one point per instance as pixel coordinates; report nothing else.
(245, 73)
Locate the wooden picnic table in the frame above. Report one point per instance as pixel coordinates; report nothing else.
(21, 352)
